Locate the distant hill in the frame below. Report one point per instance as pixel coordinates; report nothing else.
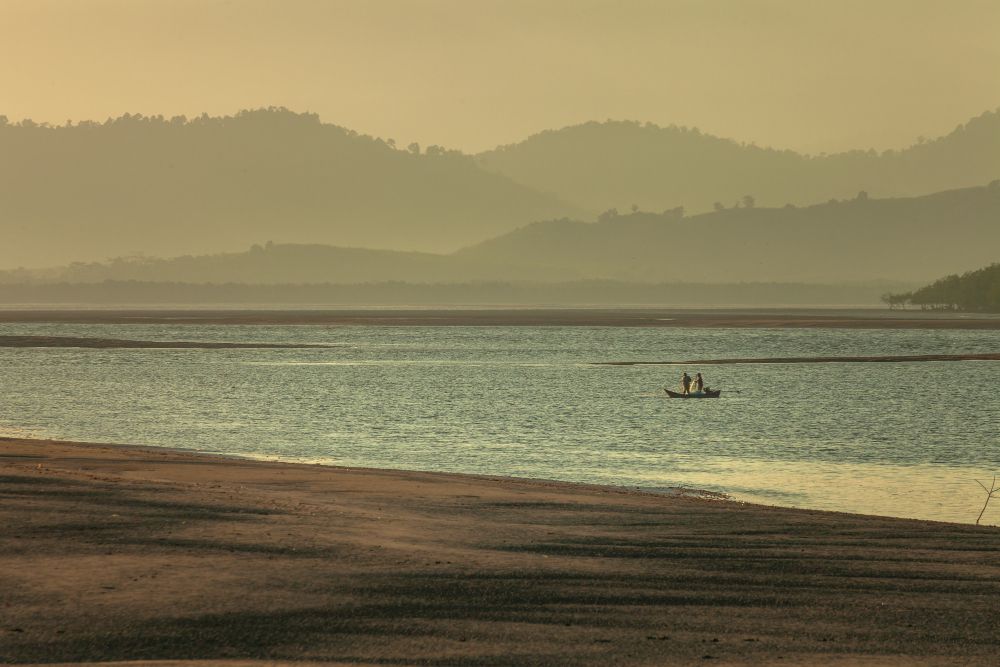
(580, 292)
(976, 291)
(207, 185)
(907, 241)
(620, 163)
(294, 264)
(912, 239)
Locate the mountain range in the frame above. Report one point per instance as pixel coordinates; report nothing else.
(151, 186)
(206, 185)
(616, 164)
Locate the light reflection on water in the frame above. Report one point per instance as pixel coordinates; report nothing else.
(901, 439)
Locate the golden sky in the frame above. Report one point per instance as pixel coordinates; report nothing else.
(809, 75)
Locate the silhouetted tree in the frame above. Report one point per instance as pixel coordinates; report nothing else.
(894, 300)
(414, 148)
(749, 201)
(608, 215)
(635, 208)
(718, 206)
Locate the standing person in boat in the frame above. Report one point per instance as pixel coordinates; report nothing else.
(699, 384)
(686, 383)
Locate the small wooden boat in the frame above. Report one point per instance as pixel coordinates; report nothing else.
(694, 394)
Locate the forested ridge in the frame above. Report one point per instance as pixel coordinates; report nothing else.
(88, 191)
(181, 199)
(861, 238)
(620, 163)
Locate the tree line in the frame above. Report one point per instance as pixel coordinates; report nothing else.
(973, 291)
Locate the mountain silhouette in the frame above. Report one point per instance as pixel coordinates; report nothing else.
(906, 239)
(171, 187)
(620, 163)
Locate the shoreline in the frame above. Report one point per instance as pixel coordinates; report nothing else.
(124, 553)
(763, 318)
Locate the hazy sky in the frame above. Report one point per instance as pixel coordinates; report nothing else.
(470, 74)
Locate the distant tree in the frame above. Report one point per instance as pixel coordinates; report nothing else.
(749, 201)
(737, 204)
(676, 212)
(718, 206)
(414, 148)
(635, 208)
(895, 300)
(391, 143)
(608, 215)
(434, 150)
(862, 196)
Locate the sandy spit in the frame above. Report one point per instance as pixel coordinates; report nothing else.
(165, 557)
(113, 343)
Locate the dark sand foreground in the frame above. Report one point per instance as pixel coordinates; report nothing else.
(121, 554)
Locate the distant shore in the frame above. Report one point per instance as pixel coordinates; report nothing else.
(899, 358)
(763, 318)
(118, 553)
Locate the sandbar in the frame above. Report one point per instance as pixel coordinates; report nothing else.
(120, 554)
(115, 343)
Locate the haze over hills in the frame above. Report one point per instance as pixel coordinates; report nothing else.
(619, 163)
(171, 187)
(911, 239)
(296, 263)
(907, 240)
(201, 187)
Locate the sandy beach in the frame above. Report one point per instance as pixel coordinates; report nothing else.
(116, 553)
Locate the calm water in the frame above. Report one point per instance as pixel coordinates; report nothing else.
(897, 439)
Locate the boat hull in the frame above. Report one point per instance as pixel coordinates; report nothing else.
(706, 394)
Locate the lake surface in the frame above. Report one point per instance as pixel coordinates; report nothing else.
(899, 439)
